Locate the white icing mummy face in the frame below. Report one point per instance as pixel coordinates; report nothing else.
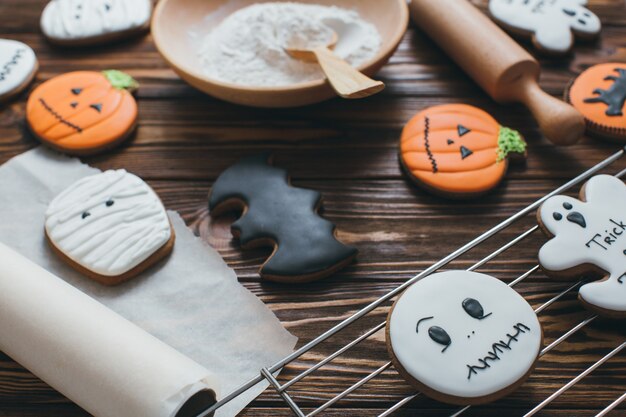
(83, 19)
(108, 223)
(590, 233)
(17, 64)
(464, 334)
(550, 21)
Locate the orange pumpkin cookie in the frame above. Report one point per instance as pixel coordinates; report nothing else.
(599, 93)
(83, 113)
(457, 150)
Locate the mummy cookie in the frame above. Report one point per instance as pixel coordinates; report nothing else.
(551, 24)
(89, 22)
(463, 338)
(599, 93)
(589, 237)
(458, 151)
(110, 226)
(279, 215)
(18, 66)
(83, 113)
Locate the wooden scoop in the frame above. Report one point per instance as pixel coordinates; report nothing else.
(497, 63)
(346, 80)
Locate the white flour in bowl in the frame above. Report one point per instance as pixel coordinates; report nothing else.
(247, 48)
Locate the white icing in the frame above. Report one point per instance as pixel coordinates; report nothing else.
(550, 21)
(604, 211)
(112, 239)
(17, 63)
(441, 296)
(83, 19)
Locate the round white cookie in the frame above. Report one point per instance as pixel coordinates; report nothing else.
(18, 66)
(83, 22)
(108, 223)
(551, 23)
(463, 337)
(589, 235)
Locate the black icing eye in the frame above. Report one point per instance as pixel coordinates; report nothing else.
(74, 104)
(107, 7)
(567, 206)
(462, 130)
(77, 91)
(557, 216)
(440, 336)
(474, 309)
(569, 12)
(86, 214)
(97, 107)
(109, 203)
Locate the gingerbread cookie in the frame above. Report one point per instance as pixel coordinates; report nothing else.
(89, 22)
(589, 237)
(18, 66)
(277, 214)
(599, 93)
(457, 151)
(551, 24)
(463, 338)
(83, 113)
(110, 226)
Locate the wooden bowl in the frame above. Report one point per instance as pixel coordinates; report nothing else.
(177, 24)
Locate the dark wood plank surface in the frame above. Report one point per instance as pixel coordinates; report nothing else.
(348, 151)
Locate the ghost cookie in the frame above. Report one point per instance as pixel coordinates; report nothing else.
(463, 338)
(284, 217)
(89, 22)
(110, 226)
(458, 151)
(551, 24)
(588, 236)
(599, 93)
(18, 66)
(83, 113)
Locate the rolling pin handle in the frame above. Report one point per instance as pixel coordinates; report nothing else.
(561, 123)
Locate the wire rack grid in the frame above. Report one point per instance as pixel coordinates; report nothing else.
(267, 374)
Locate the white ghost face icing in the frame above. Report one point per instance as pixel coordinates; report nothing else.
(17, 65)
(108, 223)
(550, 21)
(590, 233)
(464, 334)
(83, 19)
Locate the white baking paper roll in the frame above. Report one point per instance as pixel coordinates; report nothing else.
(96, 358)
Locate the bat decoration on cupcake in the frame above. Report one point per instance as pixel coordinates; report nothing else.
(279, 215)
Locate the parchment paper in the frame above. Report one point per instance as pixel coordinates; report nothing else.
(192, 301)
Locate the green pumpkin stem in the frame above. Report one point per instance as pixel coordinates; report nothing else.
(510, 141)
(121, 80)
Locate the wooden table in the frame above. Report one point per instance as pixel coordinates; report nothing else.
(348, 151)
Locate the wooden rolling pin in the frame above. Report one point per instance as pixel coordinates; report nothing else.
(497, 63)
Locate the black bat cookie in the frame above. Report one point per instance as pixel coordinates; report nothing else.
(275, 213)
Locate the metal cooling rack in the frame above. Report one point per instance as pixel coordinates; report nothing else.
(267, 374)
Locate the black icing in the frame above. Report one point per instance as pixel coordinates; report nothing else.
(7, 67)
(462, 130)
(450, 142)
(97, 107)
(474, 308)
(615, 96)
(276, 211)
(577, 218)
(109, 203)
(85, 215)
(433, 162)
(569, 12)
(465, 152)
(417, 327)
(557, 216)
(74, 104)
(57, 116)
(567, 206)
(77, 91)
(439, 335)
(497, 349)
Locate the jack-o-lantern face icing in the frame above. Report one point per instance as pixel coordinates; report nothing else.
(82, 113)
(18, 66)
(457, 150)
(599, 93)
(589, 236)
(89, 21)
(462, 337)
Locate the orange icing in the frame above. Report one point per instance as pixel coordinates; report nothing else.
(441, 165)
(67, 120)
(583, 88)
